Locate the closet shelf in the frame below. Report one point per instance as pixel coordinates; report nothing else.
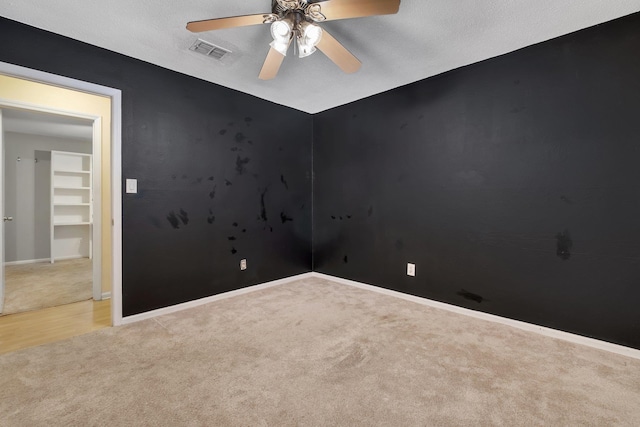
(71, 188)
(71, 205)
(68, 171)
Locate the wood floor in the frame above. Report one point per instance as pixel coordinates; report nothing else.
(33, 328)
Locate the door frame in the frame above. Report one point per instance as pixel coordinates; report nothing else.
(116, 163)
(2, 277)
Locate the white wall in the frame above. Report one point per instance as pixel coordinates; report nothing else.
(27, 192)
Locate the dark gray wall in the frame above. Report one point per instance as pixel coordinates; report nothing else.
(221, 175)
(513, 184)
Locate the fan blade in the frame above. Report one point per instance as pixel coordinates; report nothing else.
(345, 9)
(220, 23)
(338, 53)
(272, 64)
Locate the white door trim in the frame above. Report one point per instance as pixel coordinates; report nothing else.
(96, 209)
(2, 284)
(116, 162)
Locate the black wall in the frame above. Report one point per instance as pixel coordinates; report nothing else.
(512, 184)
(221, 175)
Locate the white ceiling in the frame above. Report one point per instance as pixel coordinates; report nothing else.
(425, 38)
(44, 124)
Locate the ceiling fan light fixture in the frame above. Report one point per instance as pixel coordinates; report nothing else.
(308, 36)
(281, 47)
(314, 12)
(281, 30)
(305, 50)
(309, 33)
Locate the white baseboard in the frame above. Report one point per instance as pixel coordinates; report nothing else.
(553, 333)
(106, 295)
(27, 261)
(207, 300)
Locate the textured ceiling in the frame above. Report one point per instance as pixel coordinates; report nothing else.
(425, 38)
(35, 123)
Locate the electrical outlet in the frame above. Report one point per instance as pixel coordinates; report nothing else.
(243, 264)
(411, 269)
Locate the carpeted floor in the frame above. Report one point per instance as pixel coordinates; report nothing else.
(40, 285)
(317, 353)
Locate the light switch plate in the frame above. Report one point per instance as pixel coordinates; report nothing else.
(411, 269)
(132, 186)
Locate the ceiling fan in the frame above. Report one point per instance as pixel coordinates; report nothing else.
(298, 20)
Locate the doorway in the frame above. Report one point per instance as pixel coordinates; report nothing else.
(25, 89)
(48, 205)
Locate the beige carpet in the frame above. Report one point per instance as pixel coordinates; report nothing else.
(35, 286)
(316, 353)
